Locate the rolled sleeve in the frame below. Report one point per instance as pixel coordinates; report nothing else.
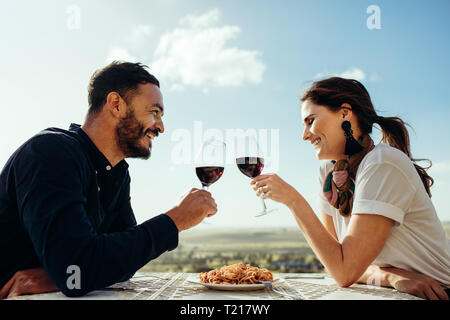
(379, 208)
(383, 189)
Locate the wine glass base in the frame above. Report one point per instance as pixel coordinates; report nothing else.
(265, 212)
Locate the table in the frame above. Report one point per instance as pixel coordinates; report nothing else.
(174, 286)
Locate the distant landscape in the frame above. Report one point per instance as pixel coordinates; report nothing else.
(277, 249)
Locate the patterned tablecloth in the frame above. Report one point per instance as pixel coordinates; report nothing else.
(174, 286)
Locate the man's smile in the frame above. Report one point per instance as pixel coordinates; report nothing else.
(151, 134)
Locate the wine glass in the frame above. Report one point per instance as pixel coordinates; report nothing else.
(210, 162)
(250, 161)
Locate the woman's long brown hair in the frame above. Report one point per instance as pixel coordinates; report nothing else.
(335, 91)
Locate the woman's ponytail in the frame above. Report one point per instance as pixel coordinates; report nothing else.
(396, 135)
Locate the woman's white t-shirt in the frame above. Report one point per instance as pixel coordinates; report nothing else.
(387, 184)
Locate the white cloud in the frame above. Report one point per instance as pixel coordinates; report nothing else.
(374, 77)
(440, 168)
(196, 54)
(176, 87)
(322, 75)
(202, 21)
(352, 73)
(137, 40)
(118, 53)
(140, 32)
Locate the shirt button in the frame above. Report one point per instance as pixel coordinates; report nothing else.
(108, 168)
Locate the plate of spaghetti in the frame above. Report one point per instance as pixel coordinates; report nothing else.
(235, 277)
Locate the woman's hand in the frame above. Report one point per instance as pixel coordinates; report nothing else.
(416, 284)
(271, 186)
(405, 281)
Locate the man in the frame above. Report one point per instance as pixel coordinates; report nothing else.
(65, 194)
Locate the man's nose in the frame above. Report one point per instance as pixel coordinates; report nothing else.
(160, 126)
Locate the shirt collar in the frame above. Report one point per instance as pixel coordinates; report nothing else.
(100, 162)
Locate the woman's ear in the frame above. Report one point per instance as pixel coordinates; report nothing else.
(346, 111)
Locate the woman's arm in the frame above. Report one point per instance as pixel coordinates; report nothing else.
(365, 239)
(403, 280)
(348, 260)
(373, 275)
(345, 262)
(327, 221)
(406, 281)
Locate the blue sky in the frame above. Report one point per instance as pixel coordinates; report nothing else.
(229, 65)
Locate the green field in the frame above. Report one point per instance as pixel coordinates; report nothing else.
(282, 249)
(277, 249)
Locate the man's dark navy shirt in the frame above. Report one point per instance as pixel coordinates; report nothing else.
(62, 203)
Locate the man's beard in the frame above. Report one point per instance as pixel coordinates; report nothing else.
(129, 132)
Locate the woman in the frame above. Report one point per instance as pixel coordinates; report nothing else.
(379, 224)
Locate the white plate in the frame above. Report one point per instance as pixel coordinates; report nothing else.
(231, 287)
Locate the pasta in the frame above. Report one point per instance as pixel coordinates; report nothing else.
(236, 274)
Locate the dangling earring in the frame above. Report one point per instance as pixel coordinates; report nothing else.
(351, 145)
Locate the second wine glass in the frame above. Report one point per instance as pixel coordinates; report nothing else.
(250, 161)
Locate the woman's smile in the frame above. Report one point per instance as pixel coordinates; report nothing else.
(315, 142)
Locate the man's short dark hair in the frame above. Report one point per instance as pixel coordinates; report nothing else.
(119, 76)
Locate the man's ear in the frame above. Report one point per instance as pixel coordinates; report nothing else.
(115, 105)
(346, 111)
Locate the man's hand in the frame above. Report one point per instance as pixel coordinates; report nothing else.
(193, 207)
(28, 281)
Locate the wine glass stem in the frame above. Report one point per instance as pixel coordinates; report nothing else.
(264, 204)
(205, 188)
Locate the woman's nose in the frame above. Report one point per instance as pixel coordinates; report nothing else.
(306, 134)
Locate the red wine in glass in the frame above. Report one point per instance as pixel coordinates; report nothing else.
(250, 166)
(210, 163)
(250, 161)
(208, 175)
